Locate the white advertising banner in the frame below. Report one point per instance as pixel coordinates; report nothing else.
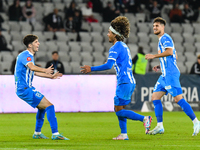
(71, 93)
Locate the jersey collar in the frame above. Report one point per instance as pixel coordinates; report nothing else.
(29, 52)
(161, 36)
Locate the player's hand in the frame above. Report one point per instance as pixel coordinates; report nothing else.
(149, 56)
(56, 75)
(49, 70)
(156, 68)
(86, 69)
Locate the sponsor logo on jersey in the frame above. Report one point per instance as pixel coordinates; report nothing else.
(113, 52)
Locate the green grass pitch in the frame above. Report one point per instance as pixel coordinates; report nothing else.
(94, 131)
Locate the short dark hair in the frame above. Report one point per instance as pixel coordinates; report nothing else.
(159, 19)
(28, 39)
(54, 52)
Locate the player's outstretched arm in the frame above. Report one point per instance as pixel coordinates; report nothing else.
(56, 75)
(35, 68)
(167, 52)
(106, 66)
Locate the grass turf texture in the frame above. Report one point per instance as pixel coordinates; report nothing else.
(94, 131)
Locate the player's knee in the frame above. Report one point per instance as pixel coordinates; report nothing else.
(48, 104)
(119, 113)
(118, 108)
(176, 100)
(153, 98)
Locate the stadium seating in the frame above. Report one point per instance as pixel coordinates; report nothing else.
(40, 35)
(72, 36)
(16, 36)
(96, 27)
(51, 46)
(14, 26)
(153, 38)
(190, 57)
(196, 28)
(143, 27)
(96, 37)
(133, 49)
(17, 45)
(177, 37)
(62, 46)
(41, 63)
(75, 57)
(154, 47)
(5, 67)
(85, 37)
(98, 47)
(98, 57)
(182, 67)
(42, 56)
(67, 67)
(93, 46)
(188, 38)
(25, 26)
(143, 37)
(179, 48)
(74, 46)
(61, 36)
(176, 28)
(188, 28)
(63, 56)
(188, 65)
(42, 45)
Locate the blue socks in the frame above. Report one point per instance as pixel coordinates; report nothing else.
(39, 119)
(187, 108)
(123, 115)
(122, 124)
(158, 110)
(182, 103)
(51, 116)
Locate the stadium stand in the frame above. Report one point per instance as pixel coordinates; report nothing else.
(92, 47)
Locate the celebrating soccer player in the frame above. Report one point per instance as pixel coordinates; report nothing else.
(25, 70)
(120, 57)
(169, 80)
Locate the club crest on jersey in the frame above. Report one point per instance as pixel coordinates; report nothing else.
(168, 87)
(28, 58)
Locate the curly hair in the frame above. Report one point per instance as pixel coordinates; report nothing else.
(121, 24)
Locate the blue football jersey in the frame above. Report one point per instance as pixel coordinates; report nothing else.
(168, 64)
(23, 75)
(120, 53)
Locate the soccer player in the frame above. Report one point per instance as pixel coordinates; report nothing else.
(25, 70)
(168, 82)
(120, 57)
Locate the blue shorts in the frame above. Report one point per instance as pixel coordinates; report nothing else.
(30, 95)
(162, 86)
(123, 94)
